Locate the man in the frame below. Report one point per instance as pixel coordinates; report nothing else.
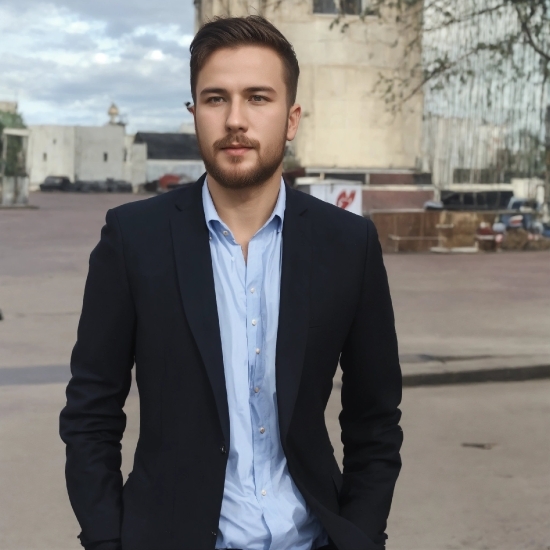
(236, 298)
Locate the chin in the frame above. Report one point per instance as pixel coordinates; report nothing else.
(239, 168)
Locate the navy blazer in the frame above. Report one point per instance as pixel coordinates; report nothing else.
(150, 301)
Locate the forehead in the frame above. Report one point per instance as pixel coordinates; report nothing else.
(243, 66)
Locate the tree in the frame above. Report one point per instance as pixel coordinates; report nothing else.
(483, 63)
(13, 163)
(493, 34)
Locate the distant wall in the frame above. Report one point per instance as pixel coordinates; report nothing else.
(99, 152)
(384, 198)
(419, 231)
(135, 161)
(85, 153)
(51, 152)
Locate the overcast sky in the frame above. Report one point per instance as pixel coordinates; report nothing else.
(65, 61)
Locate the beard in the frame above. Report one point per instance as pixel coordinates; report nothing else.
(235, 177)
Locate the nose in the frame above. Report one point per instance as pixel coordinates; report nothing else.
(236, 117)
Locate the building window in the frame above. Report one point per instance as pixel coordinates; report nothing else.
(125, 155)
(45, 157)
(55, 141)
(105, 157)
(349, 7)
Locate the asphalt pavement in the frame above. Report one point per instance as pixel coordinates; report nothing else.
(474, 346)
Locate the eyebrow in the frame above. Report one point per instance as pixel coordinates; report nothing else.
(249, 90)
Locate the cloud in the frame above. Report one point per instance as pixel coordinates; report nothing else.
(66, 61)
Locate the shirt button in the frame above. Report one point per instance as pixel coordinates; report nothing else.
(210, 237)
(214, 533)
(264, 492)
(262, 430)
(252, 290)
(256, 389)
(226, 233)
(253, 322)
(258, 351)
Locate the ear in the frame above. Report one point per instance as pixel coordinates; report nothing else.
(190, 107)
(294, 116)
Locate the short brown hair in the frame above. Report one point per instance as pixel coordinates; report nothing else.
(232, 32)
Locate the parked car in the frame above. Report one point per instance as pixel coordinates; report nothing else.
(109, 185)
(471, 200)
(56, 183)
(89, 186)
(151, 186)
(523, 205)
(172, 181)
(118, 186)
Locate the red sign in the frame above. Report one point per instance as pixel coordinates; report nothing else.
(345, 199)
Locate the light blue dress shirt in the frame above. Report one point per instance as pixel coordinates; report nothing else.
(262, 509)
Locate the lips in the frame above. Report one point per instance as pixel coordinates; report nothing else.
(236, 149)
(236, 145)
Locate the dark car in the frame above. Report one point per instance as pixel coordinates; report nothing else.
(118, 186)
(471, 200)
(89, 186)
(109, 185)
(57, 183)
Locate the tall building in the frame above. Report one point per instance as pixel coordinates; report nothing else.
(346, 125)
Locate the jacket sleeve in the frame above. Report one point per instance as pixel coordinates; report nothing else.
(92, 422)
(371, 393)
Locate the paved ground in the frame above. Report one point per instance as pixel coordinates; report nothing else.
(449, 310)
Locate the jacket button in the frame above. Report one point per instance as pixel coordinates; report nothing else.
(222, 449)
(214, 533)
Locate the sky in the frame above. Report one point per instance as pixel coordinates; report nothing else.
(66, 61)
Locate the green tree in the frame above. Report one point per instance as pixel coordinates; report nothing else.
(13, 163)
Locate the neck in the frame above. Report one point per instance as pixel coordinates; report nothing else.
(245, 211)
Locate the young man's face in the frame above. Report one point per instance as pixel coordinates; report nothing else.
(242, 115)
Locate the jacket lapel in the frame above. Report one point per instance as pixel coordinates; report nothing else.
(294, 307)
(198, 294)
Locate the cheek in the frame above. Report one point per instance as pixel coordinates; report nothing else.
(270, 128)
(208, 126)
(205, 133)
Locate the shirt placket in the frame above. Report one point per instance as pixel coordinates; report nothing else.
(258, 395)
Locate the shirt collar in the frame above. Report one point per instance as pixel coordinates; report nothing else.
(211, 214)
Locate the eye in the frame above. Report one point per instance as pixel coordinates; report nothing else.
(258, 98)
(214, 99)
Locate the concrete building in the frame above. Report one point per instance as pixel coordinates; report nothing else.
(135, 161)
(84, 153)
(345, 124)
(171, 153)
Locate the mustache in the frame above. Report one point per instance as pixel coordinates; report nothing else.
(236, 139)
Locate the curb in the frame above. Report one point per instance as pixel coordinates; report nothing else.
(506, 374)
(479, 376)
